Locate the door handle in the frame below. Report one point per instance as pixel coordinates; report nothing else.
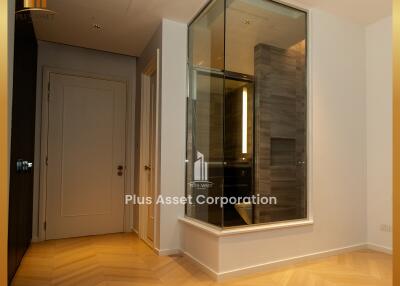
(23, 166)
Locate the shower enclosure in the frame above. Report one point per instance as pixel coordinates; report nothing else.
(247, 113)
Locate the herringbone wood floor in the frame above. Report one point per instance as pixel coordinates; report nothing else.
(124, 260)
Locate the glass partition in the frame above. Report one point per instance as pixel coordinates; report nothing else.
(247, 113)
(205, 114)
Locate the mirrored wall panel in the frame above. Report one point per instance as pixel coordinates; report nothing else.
(247, 113)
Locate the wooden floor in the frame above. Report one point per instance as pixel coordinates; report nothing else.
(124, 260)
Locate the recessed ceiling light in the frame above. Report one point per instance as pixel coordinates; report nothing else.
(97, 26)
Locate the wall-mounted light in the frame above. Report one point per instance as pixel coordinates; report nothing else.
(34, 5)
(244, 121)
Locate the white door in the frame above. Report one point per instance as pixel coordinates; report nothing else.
(149, 146)
(86, 157)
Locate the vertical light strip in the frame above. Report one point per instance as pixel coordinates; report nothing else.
(244, 121)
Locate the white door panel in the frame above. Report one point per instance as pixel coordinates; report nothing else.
(86, 145)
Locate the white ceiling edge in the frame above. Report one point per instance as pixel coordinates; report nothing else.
(361, 12)
(118, 26)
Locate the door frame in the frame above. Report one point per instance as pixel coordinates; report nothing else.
(129, 149)
(7, 34)
(153, 66)
(396, 142)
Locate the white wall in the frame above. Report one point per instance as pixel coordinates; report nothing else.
(173, 126)
(338, 156)
(171, 39)
(88, 61)
(379, 131)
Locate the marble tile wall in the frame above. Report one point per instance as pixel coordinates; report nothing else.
(280, 131)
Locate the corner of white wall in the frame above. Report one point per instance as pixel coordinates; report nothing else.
(379, 132)
(339, 99)
(173, 118)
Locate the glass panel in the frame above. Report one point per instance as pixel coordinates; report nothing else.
(268, 41)
(205, 114)
(206, 38)
(247, 112)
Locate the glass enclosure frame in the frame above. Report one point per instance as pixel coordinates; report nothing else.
(230, 75)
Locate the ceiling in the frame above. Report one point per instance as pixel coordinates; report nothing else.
(124, 26)
(360, 11)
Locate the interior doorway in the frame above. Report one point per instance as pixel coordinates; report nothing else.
(83, 155)
(149, 146)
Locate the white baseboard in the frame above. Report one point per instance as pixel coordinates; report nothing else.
(214, 275)
(166, 252)
(380, 248)
(287, 262)
(273, 264)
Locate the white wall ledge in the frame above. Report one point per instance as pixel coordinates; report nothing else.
(216, 231)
